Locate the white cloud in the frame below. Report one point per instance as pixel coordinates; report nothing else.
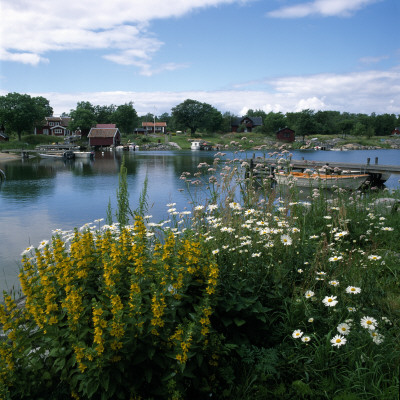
(325, 8)
(31, 29)
(363, 92)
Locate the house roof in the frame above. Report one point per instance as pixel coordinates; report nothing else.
(106, 126)
(152, 124)
(257, 121)
(103, 132)
(64, 121)
(285, 129)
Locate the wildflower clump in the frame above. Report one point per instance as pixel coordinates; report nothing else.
(107, 296)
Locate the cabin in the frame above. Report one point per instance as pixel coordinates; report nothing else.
(155, 127)
(396, 131)
(286, 135)
(249, 123)
(54, 126)
(140, 131)
(104, 135)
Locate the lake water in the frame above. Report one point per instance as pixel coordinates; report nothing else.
(40, 196)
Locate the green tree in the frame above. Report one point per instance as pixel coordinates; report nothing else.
(193, 114)
(306, 124)
(384, 124)
(20, 113)
(273, 122)
(227, 119)
(83, 117)
(327, 122)
(126, 118)
(359, 129)
(105, 114)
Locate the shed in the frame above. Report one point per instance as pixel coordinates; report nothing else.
(104, 136)
(286, 135)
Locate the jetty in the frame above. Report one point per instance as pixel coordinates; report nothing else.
(379, 173)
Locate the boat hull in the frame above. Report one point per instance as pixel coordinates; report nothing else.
(84, 154)
(352, 182)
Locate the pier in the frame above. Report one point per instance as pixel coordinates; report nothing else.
(379, 173)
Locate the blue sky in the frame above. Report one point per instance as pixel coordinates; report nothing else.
(274, 55)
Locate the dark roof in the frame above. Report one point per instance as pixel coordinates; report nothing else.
(257, 121)
(103, 132)
(285, 129)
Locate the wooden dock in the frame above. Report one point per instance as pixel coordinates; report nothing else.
(379, 172)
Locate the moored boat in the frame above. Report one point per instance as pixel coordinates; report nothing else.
(62, 155)
(318, 180)
(84, 154)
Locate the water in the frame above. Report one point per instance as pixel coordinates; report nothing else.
(40, 196)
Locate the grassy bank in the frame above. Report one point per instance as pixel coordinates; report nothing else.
(252, 294)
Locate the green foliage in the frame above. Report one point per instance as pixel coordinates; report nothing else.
(20, 113)
(123, 209)
(195, 115)
(231, 302)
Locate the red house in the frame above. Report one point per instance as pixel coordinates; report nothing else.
(104, 135)
(54, 126)
(154, 127)
(396, 131)
(286, 135)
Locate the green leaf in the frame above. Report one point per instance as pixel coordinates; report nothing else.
(239, 322)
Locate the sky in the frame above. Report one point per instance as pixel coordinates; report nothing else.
(270, 55)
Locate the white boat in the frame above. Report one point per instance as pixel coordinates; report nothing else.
(317, 180)
(195, 145)
(84, 154)
(62, 155)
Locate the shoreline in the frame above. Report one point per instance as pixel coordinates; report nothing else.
(9, 157)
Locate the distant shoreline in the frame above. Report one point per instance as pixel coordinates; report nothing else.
(9, 157)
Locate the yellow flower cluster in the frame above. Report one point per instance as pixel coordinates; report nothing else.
(99, 324)
(101, 290)
(157, 307)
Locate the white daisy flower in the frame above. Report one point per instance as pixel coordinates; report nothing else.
(343, 328)
(43, 244)
(309, 294)
(286, 240)
(305, 339)
(374, 257)
(334, 283)
(368, 323)
(335, 258)
(353, 290)
(297, 333)
(338, 340)
(27, 250)
(330, 301)
(216, 251)
(377, 338)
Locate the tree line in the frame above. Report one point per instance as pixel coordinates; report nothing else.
(20, 113)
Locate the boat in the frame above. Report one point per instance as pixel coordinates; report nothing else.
(319, 180)
(195, 145)
(201, 145)
(62, 155)
(84, 154)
